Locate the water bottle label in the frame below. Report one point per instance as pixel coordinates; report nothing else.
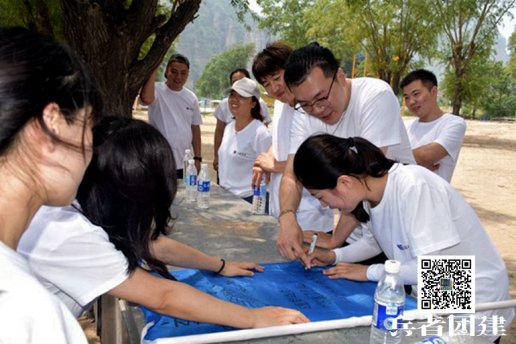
(256, 191)
(262, 190)
(388, 317)
(192, 180)
(203, 186)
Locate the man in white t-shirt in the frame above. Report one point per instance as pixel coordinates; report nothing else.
(268, 68)
(224, 116)
(339, 106)
(436, 137)
(174, 110)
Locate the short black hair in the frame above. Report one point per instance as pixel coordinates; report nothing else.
(303, 60)
(270, 60)
(178, 58)
(427, 78)
(239, 70)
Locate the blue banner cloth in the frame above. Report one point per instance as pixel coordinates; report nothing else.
(282, 284)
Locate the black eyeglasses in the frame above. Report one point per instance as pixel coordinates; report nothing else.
(320, 103)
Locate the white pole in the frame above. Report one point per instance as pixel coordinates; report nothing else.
(238, 335)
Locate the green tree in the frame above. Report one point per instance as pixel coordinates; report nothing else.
(214, 79)
(391, 33)
(512, 50)
(110, 35)
(286, 19)
(498, 96)
(470, 27)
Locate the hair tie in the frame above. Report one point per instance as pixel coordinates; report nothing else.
(351, 144)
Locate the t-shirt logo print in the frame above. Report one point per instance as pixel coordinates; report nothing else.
(241, 154)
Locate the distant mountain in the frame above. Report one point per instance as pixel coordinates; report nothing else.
(214, 30)
(500, 49)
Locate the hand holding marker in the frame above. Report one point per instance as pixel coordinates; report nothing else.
(312, 247)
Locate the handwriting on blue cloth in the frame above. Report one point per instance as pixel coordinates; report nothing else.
(282, 284)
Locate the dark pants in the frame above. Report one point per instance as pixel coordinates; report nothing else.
(179, 174)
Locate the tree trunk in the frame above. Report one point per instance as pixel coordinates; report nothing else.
(457, 90)
(109, 37)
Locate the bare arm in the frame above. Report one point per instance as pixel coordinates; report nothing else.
(290, 237)
(217, 140)
(172, 252)
(346, 225)
(147, 95)
(428, 155)
(196, 144)
(180, 300)
(268, 163)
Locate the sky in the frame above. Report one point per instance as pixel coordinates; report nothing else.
(508, 25)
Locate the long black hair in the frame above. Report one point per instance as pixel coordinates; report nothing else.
(35, 70)
(129, 187)
(323, 158)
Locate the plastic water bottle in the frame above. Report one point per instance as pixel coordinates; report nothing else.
(260, 198)
(432, 340)
(191, 182)
(389, 302)
(203, 188)
(446, 338)
(188, 156)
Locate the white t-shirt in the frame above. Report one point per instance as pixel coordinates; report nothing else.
(173, 113)
(237, 153)
(72, 258)
(373, 113)
(448, 131)
(419, 214)
(28, 312)
(310, 214)
(222, 112)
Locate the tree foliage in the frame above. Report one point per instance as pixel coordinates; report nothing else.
(512, 50)
(215, 76)
(286, 19)
(111, 35)
(498, 97)
(391, 33)
(469, 28)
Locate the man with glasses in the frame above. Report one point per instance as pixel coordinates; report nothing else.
(333, 104)
(268, 68)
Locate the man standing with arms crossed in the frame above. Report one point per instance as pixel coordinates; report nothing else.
(338, 106)
(174, 110)
(436, 137)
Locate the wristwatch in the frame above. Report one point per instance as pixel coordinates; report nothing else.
(198, 158)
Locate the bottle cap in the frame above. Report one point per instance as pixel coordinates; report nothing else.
(392, 266)
(204, 165)
(187, 151)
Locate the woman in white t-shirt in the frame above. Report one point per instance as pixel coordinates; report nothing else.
(126, 193)
(413, 212)
(48, 103)
(244, 139)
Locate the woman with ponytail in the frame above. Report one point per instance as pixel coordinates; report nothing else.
(412, 212)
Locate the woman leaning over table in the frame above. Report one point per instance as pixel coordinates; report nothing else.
(126, 193)
(48, 103)
(413, 212)
(244, 139)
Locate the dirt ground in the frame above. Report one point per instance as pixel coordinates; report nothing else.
(483, 175)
